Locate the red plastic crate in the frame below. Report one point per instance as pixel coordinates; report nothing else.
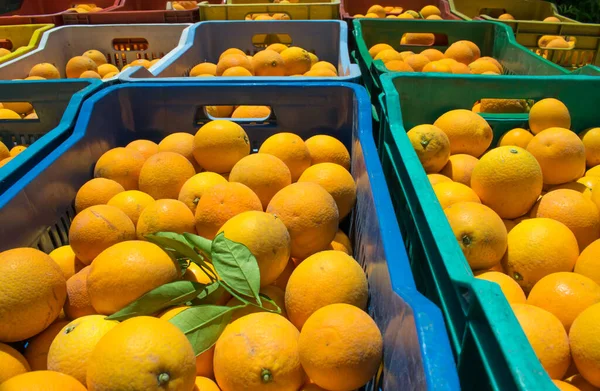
(50, 11)
(353, 7)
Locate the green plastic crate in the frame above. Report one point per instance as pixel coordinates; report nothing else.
(240, 9)
(529, 27)
(588, 70)
(492, 352)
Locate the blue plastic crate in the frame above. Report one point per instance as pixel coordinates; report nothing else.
(205, 41)
(417, 353)
(56, 103)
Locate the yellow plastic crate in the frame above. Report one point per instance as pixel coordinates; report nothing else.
(240, 9)
(529, 28)
(21, 39)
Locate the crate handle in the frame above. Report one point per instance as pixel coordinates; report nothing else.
(261, 41)
(439, 39)
(202, 116)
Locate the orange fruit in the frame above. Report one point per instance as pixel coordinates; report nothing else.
(163, 175)
(327, 149)
(78, 302)
(96, 56)
(468, 132)
(181, 143)
(588, 263)
(231, 51)
(563, 386)
(423, 39)
(105, 69)
(506, 17)
(508, 180)
(4, 152)
(165, 215)
(429, 10)
(77, 65)
(72, 347)
(398, 66)
(434, 17)
(12, 363)
(459, 168)
(511, 290)
(480, 233)
(263, 173)
(291, 149)
(377, 48)
(277, 47)
(192, 190)
(341, 242)
(42, 380)
(8, 114)
(97, 191)
(36, 352)
(90, 75)
(574, 210)
(458, 68)
(328, 346)
(543, 329)
(267, 239)
(268, 63)
(122, 165)
(146, 147)
(233, 60)
(65, 258)
(549, 113)
(449, 193)
(460, 52)
(577, 186)
(251, 112)
(417, 62)
(219, 111)
(45, 70)
(405, 54)
(296, 61)
(405, 16)
(32, 295)
(433, 54)
(4, 161)
(272, 292)
(584, 344)
(205, 68)
(591, 142)
(493, 61)
(19, 108)
(325, 65)
(222, 202)
(321, 72)
(310, 214)
(565, 295)
(431, 145)
(315, 284)
(120, 265)
(482, 65)
(561, 155)
(284, 277)
(110, 75)
(538, 247)
(388, 55)
(205, 384)
(434, 179)
(219, 145)
(132, 203)
(131, 349)
(140, 62)
(593, 172)
(475, 49)
(580, 383)
(378, 10)
(518, 137)
(551, 19)
(237, 72)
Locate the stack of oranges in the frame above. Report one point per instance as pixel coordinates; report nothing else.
(7, 155)
(526, 216)
(428, 12)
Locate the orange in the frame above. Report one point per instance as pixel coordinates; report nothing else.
(284, 277)
(310, 214)
(561, 155)
(475, 49)
(459, 168)
(12, 363)
(205, 68)
(591, 141)
(131, 350)
(163, 175)
(291, 149)
(296, 60)
(222, 202)
(65, 258)
(327, 149)
(584, 344)
(405, 54)
(388, 55)
(433, 54)
(429, 10)
(140, 62)
(549, 113)
(588, 263)
(574, 210)
(341, 242)
(458, 68)
(579, 382)
(36, 352)
(132, 203)
(321, 72)
(192, 190)
(105, 69)
(4, 161)
(468, 132)
(45, 70)
(263, 173)
(181, 143)
(461, 52)
(110, 75)
(233, 60)
(18, 107)
(268, 63)
(563, 386)
(377, 48)
(231, 51)
(77, 65)
(315, 283)
(545, 40)
(96, 229)
(120, 265)
(434, 179)
(480, 233)
(551, 19)
(8, 114)
(423, 39)
(337, 181)
(4, 152)
(565, 295)
(325, 65)
(42, 380)
(493, 61)
(405, 16)
(17, 150)
(481, 66)
(73, 346)
(251, 112)
(329, 344)
(579, 186)
(511, 290)
(518, 137)
(237, 72)
(378, 10)
(205, 384)
(32, 292)
(417, 62)
(96, 56)
(543, 330)
(508, 180)
(219, 111)
(277, 47)
(506, 17)
(219, 145)
(90, 75)
(274, 293)
(538, 247)
(97, 191)
(431, 145)
(146, 147)
(267, 239)
(593, 172)
(122, 165)
(398, 66)
(449, 193)
(165, 215)
(78, 302)
(434, 17)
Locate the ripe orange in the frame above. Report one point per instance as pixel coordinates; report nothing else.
(325, 65)
(219, 145)
(508, 180)
(459, 168)
(291, 149)
(79, 64)
(468, 132)
(194, 188)
(437, 66)
(431, 145)
(33, 290)
(165, 216)
(449, 193)
(97, 191)
(163, 175)
(146, 147)
(588, 263)
(181, 143)
(122, 165)
(434, 179)
(460, 52)
(277, 47)
(120, 265)
(327, 149)
(132, 203)
(78, 302)
(36, 352)
(538, 247)
(518, 137)
(205, 68)
(564, 386)
(131, 350)
(377, 48)
(389, 55)
(42, 380)
(398, 66)
(105, 69)
(417, 62)
(474, 48)
(232, 51)
(584, 344)
(205, 384)
(328, 346)
(512, 291)
(12, 363)
(583, 185)
(579, 382)
(96, 56)
(45, 70)
(433, 54)
(506, 17)
(482, 65)
(90, 75)
(342, 242)
(321, 72)
(233, 60)
(315, 284)
(549, 113)
(258, 351)
(66, 259)
(591, 141)
(296, 60)
(219, 112)
(263, 173)
(268, 63)
(237, 72)
(272, 292)
(251, 112)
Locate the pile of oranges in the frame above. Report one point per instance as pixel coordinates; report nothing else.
(283, 204)
(429, 12)
(85, 8)
(526, 216)
(275, 60)
(7, 155)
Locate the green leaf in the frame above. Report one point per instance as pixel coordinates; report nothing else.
(236, 266)
(266, 298)
(203, 324)
(175, 244)
(167, 295)
(199, 242)
(209, 295)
